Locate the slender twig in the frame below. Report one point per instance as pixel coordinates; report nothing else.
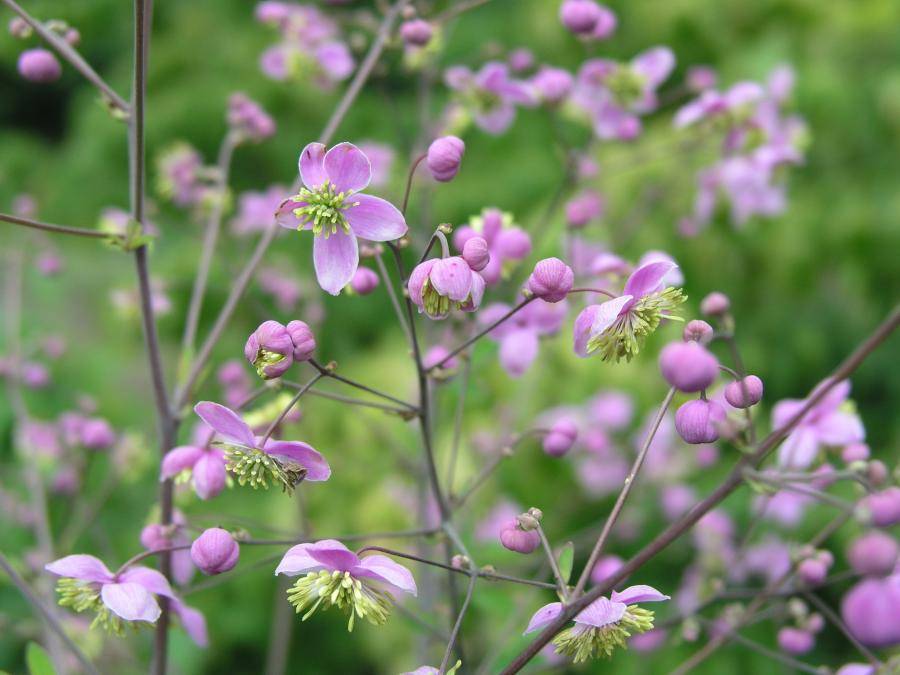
(349, 400)
(290, 406)
(71, 55)
(392, 294)
(458, 625)
(838, 623)
(326, 372)
(770, 653)
(457, 9)
(805, 490)
(210, 237)
(481, 478)
(246, 275)
(732, 482)
(623, 495)
(49, 227)
(409, 180)
(554, 566)
(48, 616)
(601, 291)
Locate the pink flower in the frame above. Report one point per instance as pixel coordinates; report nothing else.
(334, 576)
(584, 208)
(552, 85)
(561, 437)
(826, 424)
(688, 366)
(156, 536)
(252, 461)
(248, 119)
(203, 466)
(440, 283)
(332, 205)
(39, 65)
(507, 242)
(490, 94)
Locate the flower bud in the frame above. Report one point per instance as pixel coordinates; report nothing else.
(364, 281)
(520, 59)
(874, 553)
(697, 331)
(584, 208)
(444, 157)
(460, 562)
(881, 509)
(516, 539)
(512, 243)
(715, 304)
(871, 610)
(855, 452)
(688, 366)
(606, 24)
(551, 280)
(527, 521)
(303, 340)
(815, 623)
(215, 551)
(579, 16)
(751, 385)
(72, 36)
(34, 375)
(552, 84)
(699, 78)
(697, 421)
(795, 640)
(475, 252)
(877, 472)
(436, 355)
(39, 65)
(560, 438)
(812, 571)
(416, 32)
(19, 28)
(97, 434)
(270, 349)
(605, 567)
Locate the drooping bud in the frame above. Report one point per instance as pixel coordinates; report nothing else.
(97, 434)
(579, 16)
(715, 304)
(584, 208)
(813, 571)
(855, 452)
(215, 551)
(476, 253)
(270, 349)
(364, 281)
(795, 641)
(688, 366)
(303, 340)
(516, 539)
(881, 509)
(39, 65)
(19, 28)
(697, 421)
(606, 24)
(697, 331)
(416, 32)
(877, 472)
(552, 84)
(744, 393)
(72, 36)
(551, 280)
(871, 610)
(560, 438)
(874, 553)
(444, 157)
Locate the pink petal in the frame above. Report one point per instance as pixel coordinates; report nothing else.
(654, 64)
(452, 277)
(84, 567)
(375, 219)
(178, 459)
(639, 593)
(209, 475)
(544, 617)
(498, 119)
(298, 561)
(785, 410)
(193, 622)
(582, 329)
(312, 166)
(648, 278)
(131, 602)
(348, 168)
(226, 423)
(305, 455)
(336, 259)
(417, 280)
(601, 612)
(382, 568)
(834, 398)
(285, 216)
(333, 555)
(150, 579)
(518, 350)
(840, 428)
(799, 449)
(182, 566)
(608, 312)
(477, 293)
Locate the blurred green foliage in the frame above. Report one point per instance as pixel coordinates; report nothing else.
(806, 287)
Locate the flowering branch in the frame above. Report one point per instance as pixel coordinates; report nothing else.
(72, 56)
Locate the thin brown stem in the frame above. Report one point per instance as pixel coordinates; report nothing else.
(563, 586)
(349, 400)
(326, 372)
(409, 180)
(458, 625)
(50, 227)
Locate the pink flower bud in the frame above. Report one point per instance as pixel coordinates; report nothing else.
(39, 65)
(815, 623)
(48, 263)
(153, 537)
(715, 304)
(516, 539)
(435, 355)
(364, 281)
(605, 568)
(812, 571)
(606, 24)
(551, 280)
(520, 59)
(270, 349)
(19, 28)
(97, 434)
(34, 375)
(795, 640)
(579, 16)
(512, 243)
(72, 36)
(877, 472)
(697, 331)
(475, 252)
(874, 553)
(552, 84)
(584, 208)
(688, 366)
(444, 157)
(303, 340)
(700, 78)
(560, 438)
(734, 392)
(697, 421)
(416, 32)
(871, 610)
(882, 509)
(855, 452)
(215, 551)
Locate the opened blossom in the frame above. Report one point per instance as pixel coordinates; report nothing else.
(616, 329)
(332, 205)
(491, 95)
(334, 576)
(256, 461)
(603, 625)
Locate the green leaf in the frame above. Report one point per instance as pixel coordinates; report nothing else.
(38, 660)
(565, 560)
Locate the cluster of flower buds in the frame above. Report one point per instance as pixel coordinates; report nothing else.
(521, 534)
(273, 347)
(40, 65)
(814, 565)
(248, 120)
(800, 638)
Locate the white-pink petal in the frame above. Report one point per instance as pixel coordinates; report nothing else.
(298, 561)
(80, 566)
(226, 423)
(648, 278)
(544, 617)
(601, 612)
(130, 601)
(639, 593)
(312, 166)
(348, 168)
(383, 568)
(150, 579)
(375, 219)
(336, 258)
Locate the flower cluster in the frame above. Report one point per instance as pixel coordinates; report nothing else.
(507, 243)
